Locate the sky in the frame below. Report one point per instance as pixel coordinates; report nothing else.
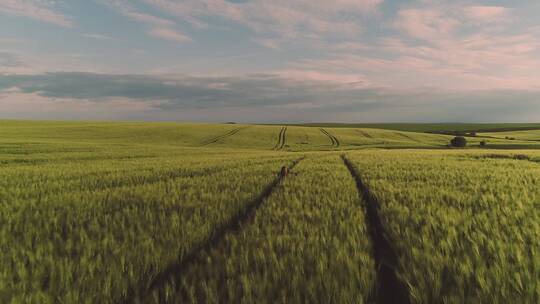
(271, 60)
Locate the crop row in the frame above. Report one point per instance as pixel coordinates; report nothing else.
(466, 230)
(112, 231)
(308, 243)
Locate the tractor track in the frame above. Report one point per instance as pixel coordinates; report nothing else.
(389, 289)
(364, 133)
(222, 136)
(174, 271)
(402, 135)
(333, 139)
(281, 139)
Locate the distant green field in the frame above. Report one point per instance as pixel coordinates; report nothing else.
(133, 212)
(229, 136)
(435, 127)
(531, 135)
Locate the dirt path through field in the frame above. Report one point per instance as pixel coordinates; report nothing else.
(173, 272)
(389, 289)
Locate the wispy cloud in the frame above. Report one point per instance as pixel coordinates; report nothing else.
(10, 40)
(426, 23)
(99, 37)
(9, 60)
(158, 27)
(169, 34)
(287, 20)
(479, 61)
(11, 63)
(486, 13)
(35, 9)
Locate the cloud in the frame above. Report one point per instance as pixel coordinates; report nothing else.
(426, 23)
(157, 26)
(99, 37)
(9, 60)
(15, 104)
(434, 21)
(277, 21)
(10, 40)
(35, 9)
(12, 63)
(476, 61)
(441, 44)
(486, 13)
(169, 34)
(268, 97)
(23, 62)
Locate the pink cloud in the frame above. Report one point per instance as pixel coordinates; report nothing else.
(486, 12)
(476, 61)
(283, 19)
(426, 23)
(35, 9)
(169, 34)
(158, 27)
(337, 80)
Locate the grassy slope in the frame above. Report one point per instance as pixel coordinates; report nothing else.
(433, 127)
(89, 135)
(532, 135)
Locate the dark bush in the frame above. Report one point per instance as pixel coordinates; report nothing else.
(483, 143)
(459, 142)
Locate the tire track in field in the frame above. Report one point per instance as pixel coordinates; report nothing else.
(333, 139)
(276, 146)
(406, 136)
(173, 272)
(389, 289)
(281, 139)
(364, 133)
(222, 136)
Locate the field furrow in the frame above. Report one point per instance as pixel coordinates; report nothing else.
(174, 271)
(223, 136)
(281, 139)
(278, 143)
(94, 247)
(364, 133)
(465, 229)
(390, 289)
(333, 140)
(308, 243)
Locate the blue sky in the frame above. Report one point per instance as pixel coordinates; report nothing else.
(270, 61)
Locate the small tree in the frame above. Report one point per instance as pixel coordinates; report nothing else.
(459, 142)
(483, 143)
